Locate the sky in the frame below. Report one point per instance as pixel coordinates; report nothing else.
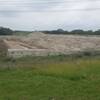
(50, 14)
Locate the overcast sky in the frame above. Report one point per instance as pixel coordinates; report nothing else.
(50, 14)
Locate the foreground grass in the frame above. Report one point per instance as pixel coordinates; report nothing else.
(50, 78)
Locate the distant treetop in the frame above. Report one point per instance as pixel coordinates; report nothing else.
(5, 31)
(74, 32)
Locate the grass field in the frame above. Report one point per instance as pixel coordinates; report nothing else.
(50, 78)
(21, 33)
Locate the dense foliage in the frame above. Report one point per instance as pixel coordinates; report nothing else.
(74, 32)
(5, 31)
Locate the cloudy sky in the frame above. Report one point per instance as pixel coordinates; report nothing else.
(50, 14)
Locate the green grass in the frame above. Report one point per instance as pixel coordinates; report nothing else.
(21, 33)
(50, 78)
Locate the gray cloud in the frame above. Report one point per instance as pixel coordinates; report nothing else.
(50, 14)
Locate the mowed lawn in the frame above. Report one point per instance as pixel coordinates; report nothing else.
(53, 78)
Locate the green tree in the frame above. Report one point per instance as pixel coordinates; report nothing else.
(5, 31)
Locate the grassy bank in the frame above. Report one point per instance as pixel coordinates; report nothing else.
(50, 78)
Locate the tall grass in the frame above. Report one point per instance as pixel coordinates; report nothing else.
(50, 78)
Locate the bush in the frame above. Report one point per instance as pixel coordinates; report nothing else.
(5, 31)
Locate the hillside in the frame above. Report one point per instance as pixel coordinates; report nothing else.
(39, 43)
(63, 43)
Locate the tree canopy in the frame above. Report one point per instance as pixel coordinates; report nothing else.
(74, 32)
(5, 31)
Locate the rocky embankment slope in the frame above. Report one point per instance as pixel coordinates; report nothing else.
(63, 43)
(40, 43)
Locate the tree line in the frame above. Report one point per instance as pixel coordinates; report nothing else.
(5, 31)
(8, 31)
(73, 32)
